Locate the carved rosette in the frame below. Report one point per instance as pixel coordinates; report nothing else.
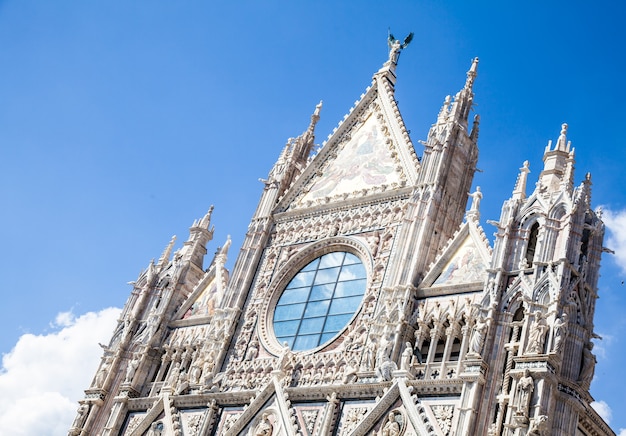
(443, 414)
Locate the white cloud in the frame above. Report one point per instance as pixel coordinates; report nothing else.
(622, 432)
(616, 224)
(603, 410)
(43, 376)
(64, 319)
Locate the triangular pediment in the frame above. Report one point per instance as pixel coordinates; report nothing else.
(268, 411)
(364, 160)
(369, 153)
(399, 411)
(204, 302)
(463, 263)
(137, 423)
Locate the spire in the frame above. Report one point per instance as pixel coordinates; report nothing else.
(220, 261)
(224, 250)
(150, 274)
(464, 99)
(316, 115)
(471, 74)
(194, 248)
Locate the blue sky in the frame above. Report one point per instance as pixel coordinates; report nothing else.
(122, 122)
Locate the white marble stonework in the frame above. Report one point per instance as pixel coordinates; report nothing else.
(408, 320)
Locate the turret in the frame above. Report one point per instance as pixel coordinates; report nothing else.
(558, 163)
(450, 147)
(545, 268)
(447, 171)
(540, 227)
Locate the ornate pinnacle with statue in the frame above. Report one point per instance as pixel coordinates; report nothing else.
(395, 46)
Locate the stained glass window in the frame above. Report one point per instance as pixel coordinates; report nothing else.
(320, 300)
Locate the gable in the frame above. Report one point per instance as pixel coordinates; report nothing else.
(205, 299)
(463, 263)
(466, 266)
(363, 161)
(369, 153)
(205, 303)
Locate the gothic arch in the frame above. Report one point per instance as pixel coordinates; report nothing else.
(543, 294)
(513, 298)
(558, 215)
(558, 211)
(530, 232)
(531, 244)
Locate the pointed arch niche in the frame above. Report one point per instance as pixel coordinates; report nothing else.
(531, 246)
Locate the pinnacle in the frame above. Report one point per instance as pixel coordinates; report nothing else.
(561, 143)
(471, 74)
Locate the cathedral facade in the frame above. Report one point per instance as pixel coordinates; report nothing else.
(367, 300)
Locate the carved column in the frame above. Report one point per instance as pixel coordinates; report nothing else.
(435, 334)
(452, 332)
(465, 331)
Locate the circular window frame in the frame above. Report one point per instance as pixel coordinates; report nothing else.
(288, 271)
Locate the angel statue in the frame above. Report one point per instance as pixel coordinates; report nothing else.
(395, 46)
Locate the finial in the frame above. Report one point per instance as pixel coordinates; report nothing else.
(395, 46)
(318, 108)
(167, 252)
(316, 115)
(224, 249)
(561, 144)
(471, 74)
(206, 220)
(445, 109)
(519, 192)
(475, 128)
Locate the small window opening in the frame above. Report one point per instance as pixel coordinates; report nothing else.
(532, 244)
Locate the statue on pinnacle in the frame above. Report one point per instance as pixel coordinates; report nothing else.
(395, 46)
